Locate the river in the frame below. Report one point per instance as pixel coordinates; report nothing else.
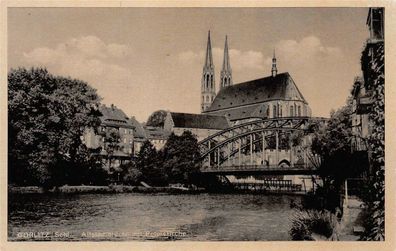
(132, 216)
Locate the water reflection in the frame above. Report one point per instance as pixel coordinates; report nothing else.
(150, 217)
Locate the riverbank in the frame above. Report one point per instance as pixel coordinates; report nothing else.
(113, 189)
(98, 189)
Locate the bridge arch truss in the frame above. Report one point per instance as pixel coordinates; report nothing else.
(243, 144)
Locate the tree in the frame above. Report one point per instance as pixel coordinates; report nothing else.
(148, 161)
(157, 118)
(181, 157)
(130, 173)
(112, 139)
(47, 116)
(333, 143)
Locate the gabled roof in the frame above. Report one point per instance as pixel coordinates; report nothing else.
(243, 112)
(138, 130)
(156, 133)
(200, 121)
(115, 117)
(280, 87)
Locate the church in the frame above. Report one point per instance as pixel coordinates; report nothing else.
(276, 95)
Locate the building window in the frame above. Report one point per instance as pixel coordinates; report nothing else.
(207, 98)
(274, 111)
(291, 111)
(299, 111)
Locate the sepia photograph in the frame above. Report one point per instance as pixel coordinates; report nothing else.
(177, 124)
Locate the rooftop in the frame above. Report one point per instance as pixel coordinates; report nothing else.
(114, 117)
(201, 121)
(280, 87)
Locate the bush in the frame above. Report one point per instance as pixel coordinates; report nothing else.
(306, 225)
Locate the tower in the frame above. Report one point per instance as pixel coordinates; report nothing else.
(274, 70)
(226, 72)
(208, 87)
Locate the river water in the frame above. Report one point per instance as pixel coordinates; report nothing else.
(131, 216)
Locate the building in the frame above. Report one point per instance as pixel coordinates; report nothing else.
(270, 97)
(200, 125)
(208, 85)
(139, 135)
(157, 136)
(114, 137)
(361, 102)
(369, 90)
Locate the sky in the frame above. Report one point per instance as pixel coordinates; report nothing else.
(146, 59)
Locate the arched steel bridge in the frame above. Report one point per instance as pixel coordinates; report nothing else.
(245, 143)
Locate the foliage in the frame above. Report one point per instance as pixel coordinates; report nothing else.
(149, 162)
(130, 173)
(157, 119)
(337, 135)
(375, 201)
(311, 224)
(46, 117)
(181, 157)
(112, 139)
(333, 143)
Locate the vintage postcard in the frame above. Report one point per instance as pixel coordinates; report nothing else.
(197, 125)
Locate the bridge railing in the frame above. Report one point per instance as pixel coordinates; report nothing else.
(252, 168)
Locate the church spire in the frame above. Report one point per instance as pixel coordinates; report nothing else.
(208, 87)
(274, 70)
(209, 58)
(226, 72)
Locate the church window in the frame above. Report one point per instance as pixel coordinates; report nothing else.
(207, 98)
(291, 111)
(299, 111)
(268, 111)
(212, 98)
(274, 112)
(280, 111)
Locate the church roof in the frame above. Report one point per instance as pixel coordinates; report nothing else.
(115, 117)
(243, 112)
(201, 121)
(280, 87)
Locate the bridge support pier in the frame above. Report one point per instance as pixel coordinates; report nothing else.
(277, 147)
(251, 149)
(263, 150)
